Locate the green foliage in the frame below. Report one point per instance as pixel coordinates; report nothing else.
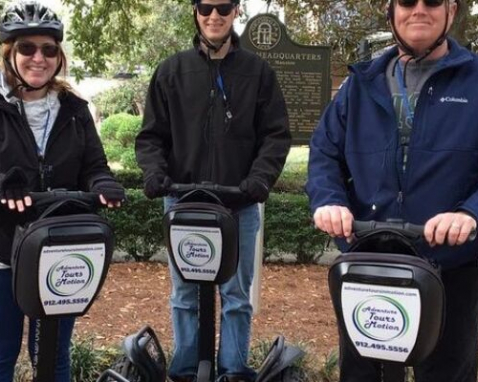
(288, 228)
(130, 178)
(138, 226)
(123, 34)
(128, 97)
(87, 362)
(118, 133)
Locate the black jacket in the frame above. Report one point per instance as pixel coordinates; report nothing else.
(187, 135)
(74, 157)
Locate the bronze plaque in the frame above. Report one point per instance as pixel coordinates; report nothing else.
(303, 72)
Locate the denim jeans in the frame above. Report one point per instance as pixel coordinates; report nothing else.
(454, 358)
(11, 331)
(236, 311)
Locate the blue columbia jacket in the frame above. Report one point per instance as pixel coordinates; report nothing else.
(356, 159)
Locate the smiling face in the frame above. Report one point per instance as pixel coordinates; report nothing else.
(35, 69)
(421, 25)
(215, 27)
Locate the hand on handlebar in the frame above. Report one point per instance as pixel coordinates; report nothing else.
(13, 189)
(156, 186)
(454, 228)
(111, 193)
(334, 220)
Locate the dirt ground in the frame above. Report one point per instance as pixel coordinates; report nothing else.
(294, 302)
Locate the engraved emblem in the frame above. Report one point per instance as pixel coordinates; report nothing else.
(264, 33)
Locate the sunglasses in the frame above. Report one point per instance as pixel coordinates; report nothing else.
(412, 3)
(26, 48)
(222, 9)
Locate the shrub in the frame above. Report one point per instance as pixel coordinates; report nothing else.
(288, 228)
(130, 178)
(138, 226)
(129, 98)
(118, 133)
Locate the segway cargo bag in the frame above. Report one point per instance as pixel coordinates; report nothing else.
(59, 263)
(202, 241)
(390, 307)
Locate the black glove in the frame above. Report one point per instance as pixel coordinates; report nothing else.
(156, 186)
(13, 184)
(255, 188)
(110, 189)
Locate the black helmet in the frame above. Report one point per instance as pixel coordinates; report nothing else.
(193, 2)
(26, 18)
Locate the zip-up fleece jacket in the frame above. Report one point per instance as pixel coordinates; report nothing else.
(187, 135)
(356, 159)
(74, 158)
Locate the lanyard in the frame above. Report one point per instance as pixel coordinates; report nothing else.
(41, 147)
(220, 85)
(403, 91)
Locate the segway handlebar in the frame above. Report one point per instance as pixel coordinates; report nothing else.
(52, 196)
(206, 186)
(412, 231)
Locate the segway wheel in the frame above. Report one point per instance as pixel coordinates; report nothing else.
(125, 368)
(290, 374)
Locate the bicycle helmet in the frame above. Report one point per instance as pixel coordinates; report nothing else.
(407, 48)
(26, 18)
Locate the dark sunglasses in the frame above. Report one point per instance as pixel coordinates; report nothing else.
(222, 9)
(26, 48)
(412, 3)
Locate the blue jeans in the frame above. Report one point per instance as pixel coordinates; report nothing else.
(236, 312)
(11, 331)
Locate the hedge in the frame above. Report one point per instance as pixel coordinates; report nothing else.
(288, 227)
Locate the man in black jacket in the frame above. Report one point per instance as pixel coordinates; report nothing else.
(215, 113)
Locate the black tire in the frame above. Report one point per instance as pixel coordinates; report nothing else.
(125, 368)
(290, 374)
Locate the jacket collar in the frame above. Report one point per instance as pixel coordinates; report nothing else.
(369, 70)
(235, 43)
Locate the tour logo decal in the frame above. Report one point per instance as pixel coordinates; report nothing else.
(70, 275)
(264, 33)
(196, 250)
(381, 318)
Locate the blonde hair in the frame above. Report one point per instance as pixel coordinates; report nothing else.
(56, 84)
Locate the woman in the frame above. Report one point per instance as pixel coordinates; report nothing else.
(47, 140)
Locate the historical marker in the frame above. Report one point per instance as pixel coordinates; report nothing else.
(303, 72)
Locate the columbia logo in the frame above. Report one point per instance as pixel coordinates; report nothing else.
(453, 99)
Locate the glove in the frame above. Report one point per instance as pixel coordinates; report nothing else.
(256, 189)
(156, 186)
(13, 184)
(110, 189)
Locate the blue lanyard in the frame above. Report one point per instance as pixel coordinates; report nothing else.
(403, 91)
(220, 85)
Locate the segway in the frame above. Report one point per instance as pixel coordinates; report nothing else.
(389, 301)
(143, 360)
(202, 240)
(59, 264)
(203, 244)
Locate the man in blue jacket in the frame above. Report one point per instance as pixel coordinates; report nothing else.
(400, 140)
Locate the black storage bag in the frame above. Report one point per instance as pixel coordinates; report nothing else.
(65, 224)
(378, 270)
(199, 214)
